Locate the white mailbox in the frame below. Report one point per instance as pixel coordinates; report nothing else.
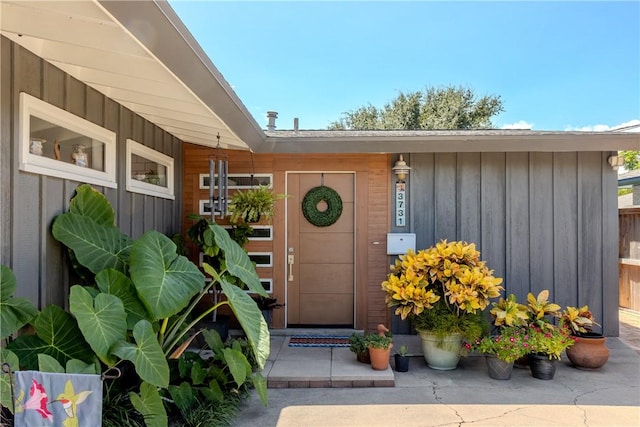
(399, 243)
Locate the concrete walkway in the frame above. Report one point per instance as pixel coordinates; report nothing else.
(609, 396)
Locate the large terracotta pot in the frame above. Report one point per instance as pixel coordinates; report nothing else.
(443, 353)
(589, 351)
(380, 357)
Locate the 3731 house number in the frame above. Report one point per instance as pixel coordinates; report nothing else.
(401, 205)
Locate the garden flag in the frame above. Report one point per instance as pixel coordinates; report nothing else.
(57, 400)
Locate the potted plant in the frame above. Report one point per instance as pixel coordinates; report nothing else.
(443, 289)
(547, 341)
(402, 359)
(508, 341)
(589, 350)
(502, 350)
(267, 305)
(358, 346)
(253, 204)
(379, 345)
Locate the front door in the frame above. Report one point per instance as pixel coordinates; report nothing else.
(320, 270)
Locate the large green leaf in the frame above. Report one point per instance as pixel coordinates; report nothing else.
(47, 363)
(213, 340)
(237, 261)
(113, 282)
(260, 384)
(96, 246)
(102, 320)
(183, 395)
(250, 318)
(164, 280)
(93, 204)
(238, 364)
(146, 355)
(14, 312)
(149, 404)
(58, 336)
(213, 392)
(7, 356)
(75, 366)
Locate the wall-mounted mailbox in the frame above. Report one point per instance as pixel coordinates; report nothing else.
(399, 243)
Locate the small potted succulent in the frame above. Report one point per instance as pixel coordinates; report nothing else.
(402, 359)
(589, 350)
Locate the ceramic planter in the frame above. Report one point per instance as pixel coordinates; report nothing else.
(541, 366)
(589, 351)
(498, 369)
(441, 353)
(380, 357)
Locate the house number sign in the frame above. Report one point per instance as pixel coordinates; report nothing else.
(401, 205)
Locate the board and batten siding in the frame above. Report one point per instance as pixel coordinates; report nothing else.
(541, 221)
(29, 202)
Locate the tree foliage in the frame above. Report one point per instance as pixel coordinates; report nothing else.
(631, 160)
(434, 108)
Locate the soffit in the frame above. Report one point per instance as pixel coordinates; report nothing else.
(139, 54)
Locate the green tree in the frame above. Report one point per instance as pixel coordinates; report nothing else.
(434, 108)
(631, 159)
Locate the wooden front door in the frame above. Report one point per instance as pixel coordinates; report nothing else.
(320, 270)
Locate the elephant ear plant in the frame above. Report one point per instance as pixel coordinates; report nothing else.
(141, 310)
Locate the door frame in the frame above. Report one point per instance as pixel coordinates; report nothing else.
(355, 240)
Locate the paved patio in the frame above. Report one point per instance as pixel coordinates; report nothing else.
(425, 397)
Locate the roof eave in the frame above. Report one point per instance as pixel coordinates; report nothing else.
(167, 38)
(531, 142)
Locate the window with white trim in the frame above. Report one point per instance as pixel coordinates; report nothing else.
(149, 171)
(56, 143)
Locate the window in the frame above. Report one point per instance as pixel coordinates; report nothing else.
(262, 259)
(241, 180)
(57, 143)
(149, 171)
(260, 232)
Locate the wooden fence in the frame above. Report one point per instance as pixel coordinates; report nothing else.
(629, 257)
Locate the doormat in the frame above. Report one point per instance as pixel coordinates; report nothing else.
(318, 341)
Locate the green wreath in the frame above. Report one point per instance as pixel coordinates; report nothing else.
(310, 206)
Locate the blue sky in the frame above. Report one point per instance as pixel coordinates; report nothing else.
(556, 65)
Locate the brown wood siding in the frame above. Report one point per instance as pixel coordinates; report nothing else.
(629, 258)
(31, 201)
(541, 220)
(372, 216)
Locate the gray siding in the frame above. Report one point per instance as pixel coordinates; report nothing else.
(541, 220)
(29, 202)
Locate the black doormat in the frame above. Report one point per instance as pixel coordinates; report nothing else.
(318, 341)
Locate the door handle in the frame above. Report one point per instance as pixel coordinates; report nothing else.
(290, 261)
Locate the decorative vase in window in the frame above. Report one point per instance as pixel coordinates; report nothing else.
(79, 156)
(36, 146)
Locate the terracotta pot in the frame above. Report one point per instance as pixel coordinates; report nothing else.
(380, 357)
(541, 366)
(498, 369)
(589, 351)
